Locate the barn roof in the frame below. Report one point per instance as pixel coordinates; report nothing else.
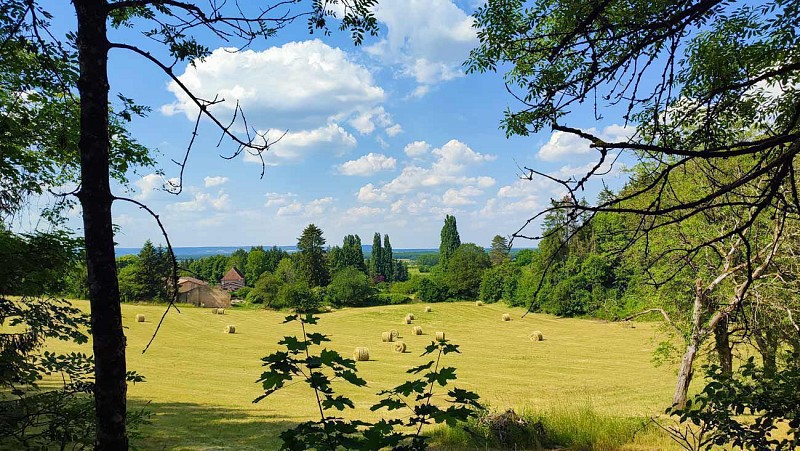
(233, 274)
(183, 280)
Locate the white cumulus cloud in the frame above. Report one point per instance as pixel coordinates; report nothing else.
(417, 148)
(214, 181)
(562, 146)
(368, 164)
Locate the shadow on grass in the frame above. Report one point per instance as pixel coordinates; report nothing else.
(189, 426)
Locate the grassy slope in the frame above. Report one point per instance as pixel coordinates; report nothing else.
(200, 381)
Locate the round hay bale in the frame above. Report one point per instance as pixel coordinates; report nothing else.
(478, 303)
(220, 311)
(439, 336)
(410, 316)
(361, 354)
(139, 318)
(400, 347)
(214, 311)
(537, 336)
(230, 329)
(407, 320)
(428, 309)
(395, 334)
(506, 317)
(387, 337)
(416, 330)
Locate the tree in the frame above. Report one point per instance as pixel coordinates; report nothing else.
(499, 252)
(388, 260)
(311, 265)
(376, 258)
(238, 259)
(351, 287)
(465, 271)
(449, 240)
(172, 24)
(257, 264)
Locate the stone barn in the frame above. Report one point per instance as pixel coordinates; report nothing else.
(232, 280)
(197, 292)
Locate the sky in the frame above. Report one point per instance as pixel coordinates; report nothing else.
(387, 137)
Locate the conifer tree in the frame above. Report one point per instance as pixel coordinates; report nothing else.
(388, 260)
(376, 260)
(311, 257)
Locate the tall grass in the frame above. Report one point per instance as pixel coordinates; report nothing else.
(574, 426)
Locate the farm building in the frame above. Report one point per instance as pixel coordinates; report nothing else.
(197, 292)
(232, 280)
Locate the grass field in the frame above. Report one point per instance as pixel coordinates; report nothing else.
(201, 381)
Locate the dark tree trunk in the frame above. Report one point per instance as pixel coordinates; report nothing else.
(767, 344)
(723, 346)
(96, 199)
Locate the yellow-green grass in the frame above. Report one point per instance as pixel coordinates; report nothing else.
(201, 381)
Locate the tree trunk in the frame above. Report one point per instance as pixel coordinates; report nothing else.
(96, 199)
(723, 346)
(685, 374)
(695, 339)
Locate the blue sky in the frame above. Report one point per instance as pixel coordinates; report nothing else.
(387, 137)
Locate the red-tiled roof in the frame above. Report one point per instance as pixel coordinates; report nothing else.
(182, 280)
(233, 274)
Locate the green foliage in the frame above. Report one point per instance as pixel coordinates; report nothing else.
(431, 290)
(266, 291)
(464, 271)
(499, 282)
(752, 409)
(331, 432)
(449, 240)
(311, 264)
(351, 287)
(429, 260)
(392, 298)
(387, 265)
(350, 254)
(524, 257)
(376, 259)
(242, 293)
(145, 278)
(500, 252)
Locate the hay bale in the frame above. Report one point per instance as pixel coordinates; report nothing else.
(478, 303)
(400, 347)
(411, 316)
(395, 334)
(537, 336)
(230, 329)
(428, 309)
(407, 320)
(439, 336)
(416, 330)
(214, 311)
(220, 311)
(361, 354)
(139, 318)
(506, 317)
(387, 337)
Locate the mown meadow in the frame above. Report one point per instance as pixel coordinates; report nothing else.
(200, 382)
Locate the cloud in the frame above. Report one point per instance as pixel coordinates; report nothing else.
(417, 148)
(562, 146)
(201, 201)
(427, 39)
(368, 193)
(313, 209)
(394, 130)
(294, 86)
(366, 121)
(363, 212)
(149, 185)
(368, 165)
(294, 146)
(454, 156)
(214, 181)
(278, 199)
(459, 197)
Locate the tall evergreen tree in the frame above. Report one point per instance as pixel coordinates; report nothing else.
(312, 266)
(359, 254)
(388, 260)
(376, 259)
(499, 253)
(449, 240)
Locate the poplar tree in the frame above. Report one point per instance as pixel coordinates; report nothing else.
(449, 240)
(376, 260)
(388, 260)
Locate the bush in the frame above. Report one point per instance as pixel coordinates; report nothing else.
(242, 293)
(392, 299)
(299, 297)
(266, 291)
(430, 290)
(407, 287)
(350, 287)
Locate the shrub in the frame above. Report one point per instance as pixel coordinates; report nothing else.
(350, 287)
(266, 291)
(392, 299)
(430, 290)
(242, 293)
(300, 297)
